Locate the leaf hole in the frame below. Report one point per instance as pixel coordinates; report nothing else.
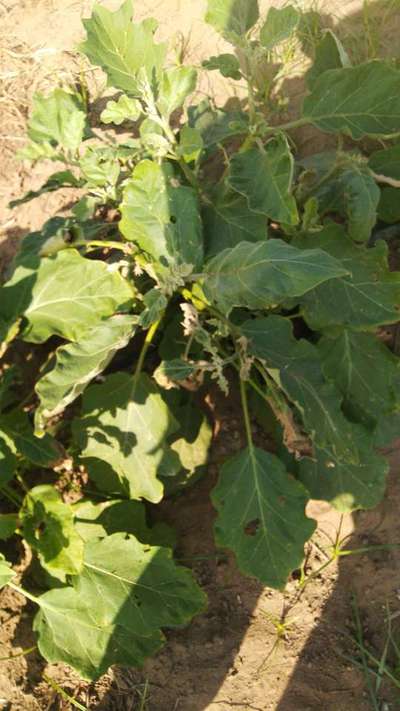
(252, 527)
(173, 219)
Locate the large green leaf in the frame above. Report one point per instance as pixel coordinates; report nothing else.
(368, 298)
(125, 51)
(215, 125)
(71, 294)
(77, 364)
(8, 525)
(386, 162)
(57, 119)
(389, 205)
(56, 181)
(261, 275)
(162, 218)
(329, 54)
(122, 435)
(232, 18)
(345, 485)
(228, 221)
(279, 26)
(125, 593)
(176, 85)
(6, 572)
(265, 177)
(348, 360)
(359, 100)
(43, 452)
(261, 516)
(48, 526)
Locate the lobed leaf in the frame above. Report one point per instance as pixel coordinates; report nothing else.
(227, 64)
(57, 119)
(176, 85)
(265, 178)
(125, 51)
(232, 18)
(261, 516)
(125, 109)
(279, 26)
(329, 54)
(262, 275)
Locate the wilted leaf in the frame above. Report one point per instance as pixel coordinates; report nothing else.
(122, 434)
(265, 177)
(70, 294)
(261, 516)
(232, 18)
(125, 51)
(264, 274)
(125, 109)
(368, 298)
(57, 119)
(279, 26)
(61, 179)
(162, 218)
(356, 100)
(78, 363)
(329, 54)
(48, 526)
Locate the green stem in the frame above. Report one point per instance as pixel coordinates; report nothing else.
(289, 126)
(25, 593)
(99, 244)
(246, 414)
(24, 653)
(15, 498)
(142, 355)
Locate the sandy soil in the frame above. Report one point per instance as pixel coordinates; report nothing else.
(230, 657)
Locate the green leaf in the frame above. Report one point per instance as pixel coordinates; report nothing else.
(155, 303)
(227, 64)
(329, 54)
(8, 525)
(122, 435)
(261, 275)
(43, 452)
(228, 221)
(70, 295)
(265, 178)
(279, 26)
(232, 18)
(108, 517)
(190, 144)
(386, 162)
(358, 101)
(389, 205)
(48, 526)
(176, 369)
(345, 485)
(99, 166)
(78, 363)
(57, 181)
(261, 516)
(125, 593)
(6, 572)
(368, 298)
(162, 218)
(348, 360)
(69, 631)
(176, 85)
(125, 109)
(125, 51)
(57, 119)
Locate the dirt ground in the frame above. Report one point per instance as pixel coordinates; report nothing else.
(230, 657)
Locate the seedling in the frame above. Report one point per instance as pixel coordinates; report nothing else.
(269, 275)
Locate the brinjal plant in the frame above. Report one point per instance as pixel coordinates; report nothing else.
(200, 252)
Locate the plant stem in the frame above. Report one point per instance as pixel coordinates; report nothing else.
(25, 593)
(11, 495)
(142, 355)
(290, 125)
(246, 414)
(99, 244)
